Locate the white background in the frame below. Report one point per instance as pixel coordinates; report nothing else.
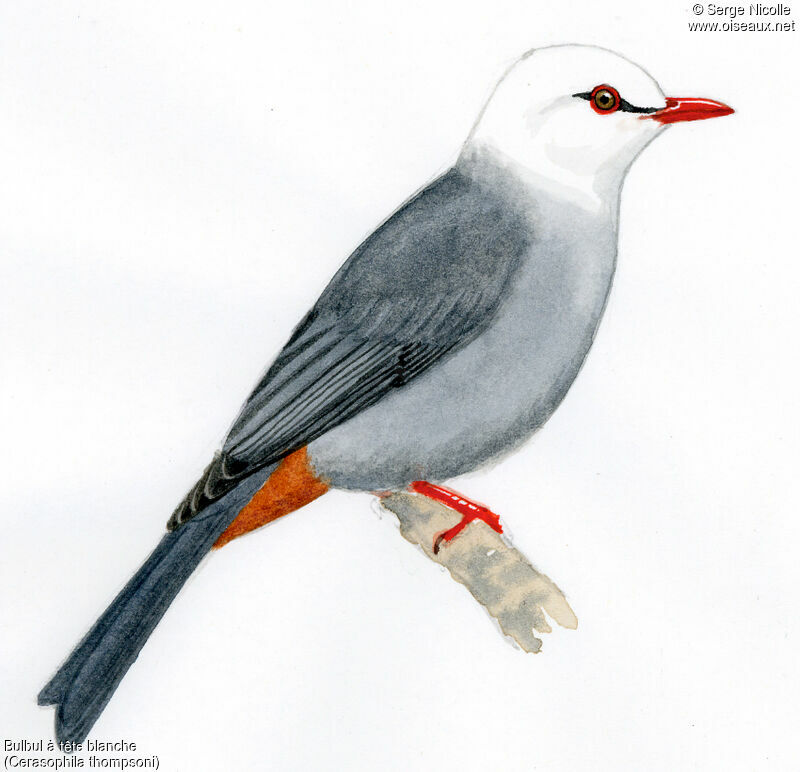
(179, 180)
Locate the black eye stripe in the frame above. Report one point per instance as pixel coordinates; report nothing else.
(624, 105)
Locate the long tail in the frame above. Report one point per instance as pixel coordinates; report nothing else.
(84, 684)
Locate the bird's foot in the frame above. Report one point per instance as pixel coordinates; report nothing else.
(469, 511)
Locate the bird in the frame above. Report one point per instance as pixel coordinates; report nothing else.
(445, 340)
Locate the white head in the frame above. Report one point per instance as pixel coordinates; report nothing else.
(573, 118)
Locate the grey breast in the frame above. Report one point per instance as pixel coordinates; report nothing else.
(447, 337)
(490, 394)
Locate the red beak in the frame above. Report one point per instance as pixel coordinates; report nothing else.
(689, 110)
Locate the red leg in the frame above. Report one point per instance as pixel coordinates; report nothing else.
(469, 510)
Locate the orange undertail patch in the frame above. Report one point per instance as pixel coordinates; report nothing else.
(292, 485)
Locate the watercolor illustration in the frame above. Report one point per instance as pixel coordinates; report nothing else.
(449, 336)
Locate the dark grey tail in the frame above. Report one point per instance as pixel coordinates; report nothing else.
(84, 684)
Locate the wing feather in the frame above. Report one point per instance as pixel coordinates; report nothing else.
(427, 282)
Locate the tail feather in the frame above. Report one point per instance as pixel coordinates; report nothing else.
(85, 683)
(56, 688)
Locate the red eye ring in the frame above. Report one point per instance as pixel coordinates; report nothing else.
(600, 98)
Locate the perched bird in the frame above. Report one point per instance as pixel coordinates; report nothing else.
(448, 337)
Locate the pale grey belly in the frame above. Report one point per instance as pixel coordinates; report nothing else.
(486, 398)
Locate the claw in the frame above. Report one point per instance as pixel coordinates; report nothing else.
(469, 511)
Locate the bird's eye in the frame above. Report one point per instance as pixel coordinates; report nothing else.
(605, 99)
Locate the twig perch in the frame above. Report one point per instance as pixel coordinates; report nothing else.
(499, 576)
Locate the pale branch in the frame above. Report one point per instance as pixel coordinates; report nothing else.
(499, 576)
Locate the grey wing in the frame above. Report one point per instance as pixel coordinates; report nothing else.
(424, 284)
